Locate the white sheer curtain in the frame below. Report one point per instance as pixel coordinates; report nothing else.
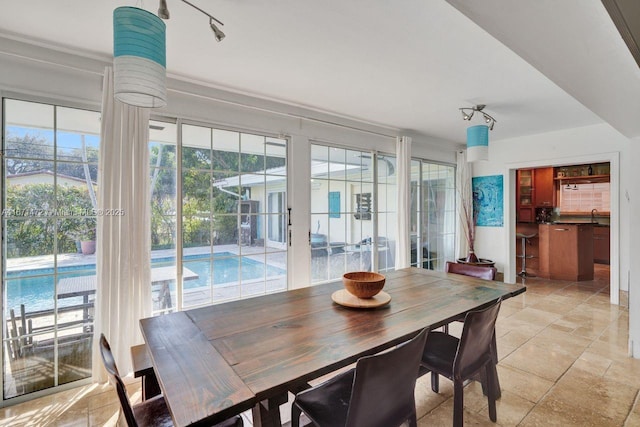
(463, 185)
(123, 294)
(403, 223)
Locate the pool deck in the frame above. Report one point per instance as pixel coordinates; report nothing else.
(277, 259)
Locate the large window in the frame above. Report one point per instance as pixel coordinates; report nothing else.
(232, 229)
(163, 170)
(433, 214)
(352, 211)
(50, 178)
(233, 215)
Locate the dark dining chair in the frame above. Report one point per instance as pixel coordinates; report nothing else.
(460, 359)
(378, 392)
(151, 412)
(479, 271)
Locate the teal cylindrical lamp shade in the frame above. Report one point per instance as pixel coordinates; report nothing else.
(477, 143)
(139, 65)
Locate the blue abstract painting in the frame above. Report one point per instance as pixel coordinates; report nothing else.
(488, 195)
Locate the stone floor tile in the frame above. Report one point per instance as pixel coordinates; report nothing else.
(523, 384)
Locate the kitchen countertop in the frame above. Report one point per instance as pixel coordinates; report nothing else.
(578, 222)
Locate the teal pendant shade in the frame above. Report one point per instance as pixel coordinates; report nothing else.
(477, 143)
(139, 50)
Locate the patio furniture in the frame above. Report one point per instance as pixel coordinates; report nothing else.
(33, 368)
(216, 361)
(378, 392)
(461, 359)
(151, 412)
(85, 286)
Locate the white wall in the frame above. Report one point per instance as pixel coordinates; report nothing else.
(574, 146)
(632, 199)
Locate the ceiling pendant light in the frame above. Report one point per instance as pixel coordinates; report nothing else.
(477, 143)
(478, 136)
(139, 64)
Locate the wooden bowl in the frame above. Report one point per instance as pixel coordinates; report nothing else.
(363, 284)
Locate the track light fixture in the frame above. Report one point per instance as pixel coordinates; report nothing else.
(163, 12)
(467, 114)
(218, 33)
(478, 136)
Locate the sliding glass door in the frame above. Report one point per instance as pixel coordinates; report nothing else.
(433, 214)
(50, 178)
(353, 212)
(231, 206)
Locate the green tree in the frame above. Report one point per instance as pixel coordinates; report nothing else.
(43, 220)
(29, 153)
(208, 214)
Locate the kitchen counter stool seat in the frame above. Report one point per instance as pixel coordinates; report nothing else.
(525, 239)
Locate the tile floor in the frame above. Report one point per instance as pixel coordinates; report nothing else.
(563, 362)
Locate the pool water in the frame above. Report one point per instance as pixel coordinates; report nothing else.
(37, 293)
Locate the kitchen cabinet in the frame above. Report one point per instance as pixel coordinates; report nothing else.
(536, 188)
(601, 244)
(569, 251)
(543, 251)
(524, 195)
(544, 187)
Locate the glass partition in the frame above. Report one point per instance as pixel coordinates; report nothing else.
(49, 238)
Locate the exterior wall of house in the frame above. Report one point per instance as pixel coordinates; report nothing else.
(44, 179)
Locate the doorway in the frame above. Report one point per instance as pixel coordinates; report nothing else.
(511, 220)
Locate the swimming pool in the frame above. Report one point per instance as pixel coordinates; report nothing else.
(35, 288)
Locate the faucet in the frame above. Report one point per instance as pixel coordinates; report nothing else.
(593, 215)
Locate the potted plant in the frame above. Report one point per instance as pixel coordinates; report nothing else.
(87, 237)
(469, 215)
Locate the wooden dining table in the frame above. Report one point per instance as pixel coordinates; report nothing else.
(217, 361)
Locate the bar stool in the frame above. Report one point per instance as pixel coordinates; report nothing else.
(525, 239)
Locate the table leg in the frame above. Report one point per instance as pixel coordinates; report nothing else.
(85, 310)
(267, 412)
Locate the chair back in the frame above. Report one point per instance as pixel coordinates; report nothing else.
(474, 348)
(384, 386)
(116, 380)
(479, 271)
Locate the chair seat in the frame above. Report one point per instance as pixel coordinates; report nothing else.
(440, 351)
(329, 402)
(152, 412)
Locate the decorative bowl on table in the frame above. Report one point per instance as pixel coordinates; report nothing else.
(363, 284)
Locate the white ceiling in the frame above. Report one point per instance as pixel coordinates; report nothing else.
(407, 65)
